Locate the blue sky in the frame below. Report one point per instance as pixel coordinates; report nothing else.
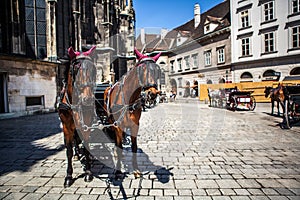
(167, 13)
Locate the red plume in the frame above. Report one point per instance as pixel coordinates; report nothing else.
(155, 58)
(138, 54)
(71, 53)
(87, 53)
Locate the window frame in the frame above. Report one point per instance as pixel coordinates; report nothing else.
(246, 45)
(221, 55)
(267, 16)
(269, 42)
(246, 17)
(207, 58)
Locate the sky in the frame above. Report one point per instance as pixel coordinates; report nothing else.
(169, 14)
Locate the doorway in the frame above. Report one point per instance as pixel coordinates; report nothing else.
(3, 93)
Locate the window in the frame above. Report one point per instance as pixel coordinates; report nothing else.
(245, 46)
(179, 61)
(269, 41)
(18, 40)
(296, 37)
(246, 77)
(187, 63)
(245, 19)
(207, 58)
(195, 60)
(268, 11)
(172, 66)
(35, 101)
(221, 55)
(295, 6)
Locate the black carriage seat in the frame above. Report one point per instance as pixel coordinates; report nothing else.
(99, 100)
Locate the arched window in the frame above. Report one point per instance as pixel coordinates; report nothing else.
(246, 77)
(209, 82)
(295, 71)
(222, 80)
(271, 75)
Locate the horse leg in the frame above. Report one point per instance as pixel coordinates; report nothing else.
(77, 141)
(278, 109)
(87, 166)
(119, 148)
(272, 110)
(69, 150)
(134, 132)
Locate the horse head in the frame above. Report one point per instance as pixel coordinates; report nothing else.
(147, 68)
(84, 76)
(267, 91)
(83, 73)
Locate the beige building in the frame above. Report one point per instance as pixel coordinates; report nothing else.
(196, 52)
(265, 40)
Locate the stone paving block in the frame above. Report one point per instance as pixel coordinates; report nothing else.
(202, 198)
(278, 198)
(269, 183)
(295, 190)
(248, 183)
(164, 198)
(259, 198)
(19, 180)
(29, 189)
(293, 197)
(170, 192)
(184, 192)
(31, 196)
(160, 185)
(227, 192)
(183, 198)
(228, 183)
(240, 197)
(221, 198)
(289, 183)
(206, 184)
(51, 196)
(185, 184)
(213, 192)
(198, 192)
(241, 192)
(69, 197)
(284, 191)
(156, 192)
(269, 191)
(15, 196)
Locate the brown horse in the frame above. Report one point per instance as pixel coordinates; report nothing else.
(76, 108)
(123, 104)
(276, 94)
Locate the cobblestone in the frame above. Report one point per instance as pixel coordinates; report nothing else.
(189, 151)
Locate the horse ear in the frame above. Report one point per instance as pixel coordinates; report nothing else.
(87, 53)
(71, 53)
(155, 58)
(138, 54)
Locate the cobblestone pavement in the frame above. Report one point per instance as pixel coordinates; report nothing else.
(186, 151)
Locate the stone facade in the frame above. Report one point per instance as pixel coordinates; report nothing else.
(265, 40)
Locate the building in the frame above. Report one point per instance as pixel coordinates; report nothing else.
(34, 34)
(196, 52)
(265, 40)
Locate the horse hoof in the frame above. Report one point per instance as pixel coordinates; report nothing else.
(137, 174)
(68, 182)
(88, 178)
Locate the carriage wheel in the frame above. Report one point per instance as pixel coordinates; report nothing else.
(286, 114)
(252, 104)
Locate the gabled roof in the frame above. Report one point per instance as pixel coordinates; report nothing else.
(220, 15)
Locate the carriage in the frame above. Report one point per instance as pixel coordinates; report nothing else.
(232, 98)
(291, 105)
(240, 99)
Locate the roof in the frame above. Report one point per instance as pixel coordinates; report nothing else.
(219, 15)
